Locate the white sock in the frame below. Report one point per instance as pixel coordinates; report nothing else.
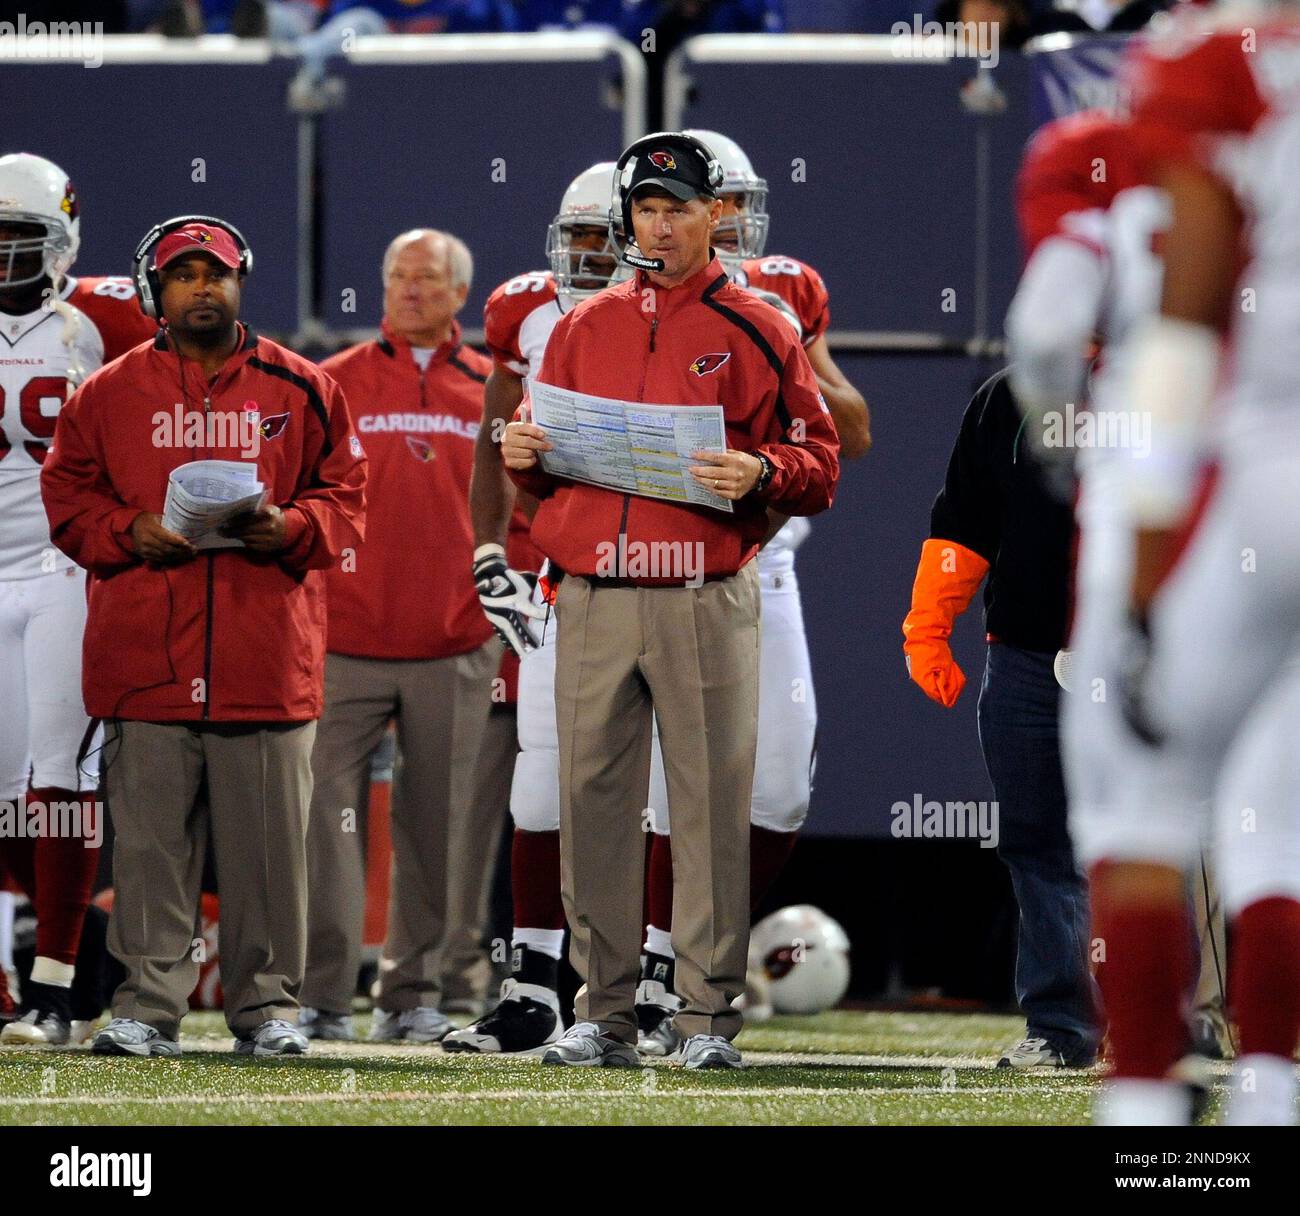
(7, 902)
(1263, 1092)
(659, 941)
(48, 971)
(1131, 1102)
(545, 941)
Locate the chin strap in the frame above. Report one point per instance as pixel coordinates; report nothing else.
(72, 320)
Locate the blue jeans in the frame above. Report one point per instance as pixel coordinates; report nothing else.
(1018, 732)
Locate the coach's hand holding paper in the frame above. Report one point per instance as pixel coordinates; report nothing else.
(205, 496)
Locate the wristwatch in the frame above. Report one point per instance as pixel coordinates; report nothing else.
(765, 476)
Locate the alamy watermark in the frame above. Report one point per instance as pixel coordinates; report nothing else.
(671, 560)
(922, 820)
(946, 39)
(1127, 430)
(33, 818)
(41, 40)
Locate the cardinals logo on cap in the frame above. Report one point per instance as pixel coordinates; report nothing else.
(421, 449)
(203, 236)
(663, 160)
(709, 363)
(273, 427)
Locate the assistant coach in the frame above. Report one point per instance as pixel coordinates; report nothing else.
(207, 667)
(628, 644)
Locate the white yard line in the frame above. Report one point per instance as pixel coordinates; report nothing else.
(508, 1095)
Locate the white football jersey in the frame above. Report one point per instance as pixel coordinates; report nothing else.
(535, 333)
(35, 363)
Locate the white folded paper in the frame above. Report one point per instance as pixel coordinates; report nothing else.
(205, 495)
(627, 445)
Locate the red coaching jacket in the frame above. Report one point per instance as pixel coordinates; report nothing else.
(411, 594)
(231, 636)
(703, 342)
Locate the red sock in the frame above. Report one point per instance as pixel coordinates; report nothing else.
(768, 853)
(1144, 980)
(535, 880)
(1266, 976)
(65, 875)
(659, 884)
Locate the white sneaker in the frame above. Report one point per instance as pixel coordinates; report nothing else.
(327, 1026)
(275, 1037)
(127, 1037)
(422, 1025)
(709, 1051)
(584, 1046)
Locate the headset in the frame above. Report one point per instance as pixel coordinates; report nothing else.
(147, 284)
(620, 217)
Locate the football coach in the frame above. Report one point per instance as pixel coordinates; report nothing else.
(207, 666)
(680, 643)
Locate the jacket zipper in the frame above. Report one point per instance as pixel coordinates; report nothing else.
(207, 629)
(640, 396)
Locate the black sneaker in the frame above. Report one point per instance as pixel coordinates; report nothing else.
(43, 1019)
(526, 1019)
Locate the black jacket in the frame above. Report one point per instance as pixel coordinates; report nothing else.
(996, 501)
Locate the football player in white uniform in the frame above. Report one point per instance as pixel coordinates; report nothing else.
(48, 346)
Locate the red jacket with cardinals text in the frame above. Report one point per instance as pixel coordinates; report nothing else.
(229, 636)
(411, 594)
(703, 342)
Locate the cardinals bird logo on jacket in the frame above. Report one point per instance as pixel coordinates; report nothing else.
(421, 449)
(273, 427)
(709, 363)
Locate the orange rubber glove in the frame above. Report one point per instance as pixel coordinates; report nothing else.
(947, 577)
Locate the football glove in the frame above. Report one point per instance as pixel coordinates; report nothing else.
(507, 598)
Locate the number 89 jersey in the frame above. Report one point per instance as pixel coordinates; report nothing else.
(35, 364)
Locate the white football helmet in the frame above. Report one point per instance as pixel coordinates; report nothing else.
(743, 235)
(580, 273)
(34, 190)
(804, 955)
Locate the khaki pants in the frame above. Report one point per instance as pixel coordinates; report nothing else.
(259, 787)
(441, 707)
(690, 655)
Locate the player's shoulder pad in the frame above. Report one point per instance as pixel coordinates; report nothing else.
(511, 301)
(797, 283)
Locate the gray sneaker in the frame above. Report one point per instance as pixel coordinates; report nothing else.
(422, 1025)
(709, 1051)
(127, 1037)
(583, 1045)
(326, 1026)
(655, 1007)
(1031, 1054)
(273, 1038)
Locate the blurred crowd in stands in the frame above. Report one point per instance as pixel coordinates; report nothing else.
(673, 20)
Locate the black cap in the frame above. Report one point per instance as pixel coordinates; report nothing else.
(673, 164)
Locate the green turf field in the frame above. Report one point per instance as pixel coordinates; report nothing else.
(838, 1068)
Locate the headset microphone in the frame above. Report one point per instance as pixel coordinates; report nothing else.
(640, 261)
